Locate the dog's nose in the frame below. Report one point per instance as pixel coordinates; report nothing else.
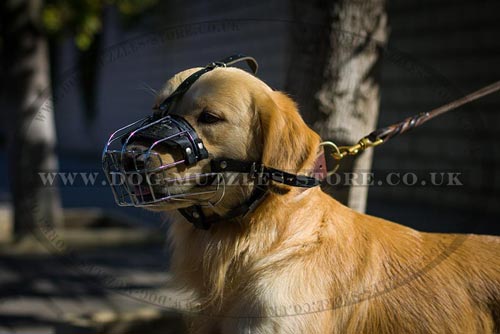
(135, 157)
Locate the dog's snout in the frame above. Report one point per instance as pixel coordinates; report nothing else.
(133, 161)
(140, 156)
(137, 147)
(136, 157)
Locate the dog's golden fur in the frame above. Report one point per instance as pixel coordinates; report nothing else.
(302, 262)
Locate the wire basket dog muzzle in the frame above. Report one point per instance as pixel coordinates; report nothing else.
(136, 171)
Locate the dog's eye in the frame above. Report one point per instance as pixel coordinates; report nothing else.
(207, 117)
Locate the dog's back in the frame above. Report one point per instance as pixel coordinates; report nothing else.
(426, 282)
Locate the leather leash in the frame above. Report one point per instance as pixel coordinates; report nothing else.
(382, 135)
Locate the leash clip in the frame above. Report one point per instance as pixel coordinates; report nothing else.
(360, 146)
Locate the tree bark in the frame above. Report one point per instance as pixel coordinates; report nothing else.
(340, 96)
(31, 131)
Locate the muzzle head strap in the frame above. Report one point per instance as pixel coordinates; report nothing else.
(251, 62)
(164, 107)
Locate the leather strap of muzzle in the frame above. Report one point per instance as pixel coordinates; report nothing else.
(263, 174)
(195, 215)
(262, 177)
(251, 62)
(164, 107)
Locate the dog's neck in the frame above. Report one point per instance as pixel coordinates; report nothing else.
(236, 207)
(206, 260)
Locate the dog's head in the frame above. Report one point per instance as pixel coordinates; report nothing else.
(236, 116)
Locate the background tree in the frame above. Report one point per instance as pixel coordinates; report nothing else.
(333, 75)
(30, 122)
(31, 138)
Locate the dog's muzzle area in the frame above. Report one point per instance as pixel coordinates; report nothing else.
(147, 164)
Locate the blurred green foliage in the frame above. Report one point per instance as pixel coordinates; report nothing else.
(83, 18)
(83, 21)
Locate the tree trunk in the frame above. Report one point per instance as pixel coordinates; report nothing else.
(340, 97)
(31, 130)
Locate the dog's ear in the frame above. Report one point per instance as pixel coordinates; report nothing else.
(288, 143)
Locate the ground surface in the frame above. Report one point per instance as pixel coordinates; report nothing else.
(88, 280)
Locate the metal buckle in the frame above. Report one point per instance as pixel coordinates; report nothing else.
(256, 172)
(216, 64)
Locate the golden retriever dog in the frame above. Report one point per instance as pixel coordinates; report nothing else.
(301, 262)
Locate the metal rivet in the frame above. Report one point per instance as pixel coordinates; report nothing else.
(223, 164)
(196, 215)
(188, 150)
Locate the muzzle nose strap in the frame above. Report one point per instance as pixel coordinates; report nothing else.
(176, 131)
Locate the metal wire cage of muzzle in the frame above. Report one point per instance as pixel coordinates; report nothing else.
(139, 176)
